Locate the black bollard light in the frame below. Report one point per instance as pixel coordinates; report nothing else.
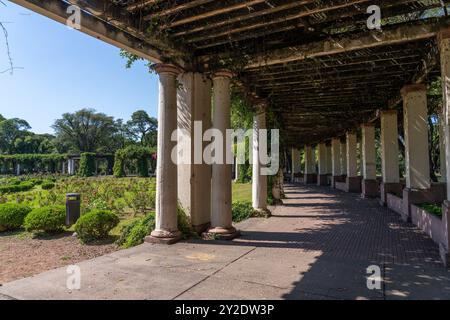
(73, 201)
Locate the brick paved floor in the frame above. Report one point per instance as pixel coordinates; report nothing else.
(317, 245)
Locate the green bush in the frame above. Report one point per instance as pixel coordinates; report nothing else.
(48, 219)
(11, 188)
(432, 208)
(242, 211)
(47, 185)
(134, 233)
(12, 215)
(87, 164)
(95, 225)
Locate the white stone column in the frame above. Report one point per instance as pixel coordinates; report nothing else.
(336, 174)
(221, 218)
(343, 152)
(352, 153)
(415, 115)
(18, 169)
(322, 178)
(194, 176)
(236, 169)
(442, 158)
(166, 228)
(389, 146)
(259, 181)
(336, 157)
(310, 164)
(295, 163)
(329, 160)
(369, 184)
(353, 182)
(444, 47)
(322, 155)
(368, 152)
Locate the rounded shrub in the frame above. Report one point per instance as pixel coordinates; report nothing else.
(47, 219)
(95, 225)
(12, 215)
(134, 233)
(47, 185)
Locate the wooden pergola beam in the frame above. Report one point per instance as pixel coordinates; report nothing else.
(369, 39)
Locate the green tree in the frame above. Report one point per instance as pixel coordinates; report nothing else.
(143, 128)
(10, 130)
(85, 131)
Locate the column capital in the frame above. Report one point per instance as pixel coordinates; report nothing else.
(260, 105)
(388, 111)
(223, 73)
(167, 68)
(443, 34)
(412, 88)
(367, 124)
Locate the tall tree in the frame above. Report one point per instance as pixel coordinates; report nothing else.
(143, 128)
(10, 130)
(85, 131)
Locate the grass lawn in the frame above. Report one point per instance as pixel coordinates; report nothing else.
(242, 192)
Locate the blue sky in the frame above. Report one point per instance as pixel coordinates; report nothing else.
(65, 70)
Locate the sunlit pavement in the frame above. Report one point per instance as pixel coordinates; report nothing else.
(318, 245)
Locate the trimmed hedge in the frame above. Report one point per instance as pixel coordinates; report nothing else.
(142, 154)
(22, 186)
(87, 164)
(12, 215)
(47, 185)
(29, 162)
(95, 225)
(47, 219)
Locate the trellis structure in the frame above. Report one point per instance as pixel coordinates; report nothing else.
(315, 63)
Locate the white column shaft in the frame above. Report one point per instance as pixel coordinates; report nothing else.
(322, 155)
(259, 181)
(415, 115)
(389, 147)
(336, 157)
(221, 173)
(352, 165)
(295, 158)
(368, 152)
(310, 160)
(444, 46)
(166, 168)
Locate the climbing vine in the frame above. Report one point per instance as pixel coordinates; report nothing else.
(142, 155)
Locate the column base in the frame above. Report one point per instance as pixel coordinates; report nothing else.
(219, 233)
(392, 187)
(335, 179)
(163, 237)
(369, 189)
(353, 184)
(310, 178)
(322, 180)
(263, 212)
(199, 229)
(436, 194)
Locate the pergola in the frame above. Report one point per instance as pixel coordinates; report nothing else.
(315, 63)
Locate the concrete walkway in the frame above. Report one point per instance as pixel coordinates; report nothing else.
(318, 245)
